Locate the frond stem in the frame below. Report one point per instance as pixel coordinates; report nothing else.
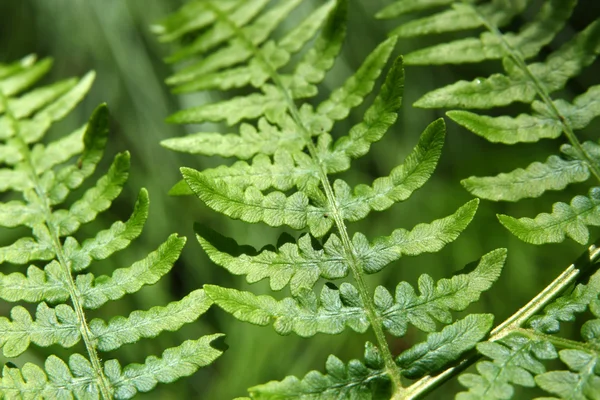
(515, 322)
(75, 296)
(376, 323)
(541, 91)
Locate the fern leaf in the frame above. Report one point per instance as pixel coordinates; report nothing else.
(444, 347)
(356, 380)
(460, 18)
(336, 308)
(283, 173)
(523, 129)
(565, 220)
(39, 284)
(301, 264)
(111, 240)
(275, 209)
(176, 362)
(377, 120)
(290, 144)
(554, 174)
(298, 264)
(564, 308)
(522, 81)
(97, 291)
(581, 384)
(44, 176)
(305, 315)
(95, 199)
(530, 40)
(51, 326)
(422, 238)
(400, 184)
(353, 91)
(264, 139)
(515, 362)
(139, 324)
(436, 299)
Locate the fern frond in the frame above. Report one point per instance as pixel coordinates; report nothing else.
(288, 151)
(523, 81)
(517, 351)
(44, 175)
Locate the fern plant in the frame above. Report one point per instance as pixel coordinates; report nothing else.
(526, 79)
(286, 181)
(57, 283)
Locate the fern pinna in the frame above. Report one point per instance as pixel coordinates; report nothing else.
(292, 153)
(57, 281)
(526, 79)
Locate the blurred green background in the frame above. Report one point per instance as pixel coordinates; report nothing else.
(113, 38)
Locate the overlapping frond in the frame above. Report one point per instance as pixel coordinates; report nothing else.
(287, 149)
(518, 358)
(45, 175)
(527, 78)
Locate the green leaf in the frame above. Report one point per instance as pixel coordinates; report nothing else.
(284, 172)
(522, 129)
(271, 103)
(176, 362)
(554, 174)
(38, 285)
(55, 381)
(515, 362)
(94, 200)
(422, 238)
(443, 347)
(15, 83)
(148, 324)
(460, 18)
(250, 205)
(97, 291)
(536, 34)
(565, 220)
(579, 385)
(564, 308)
(584, 109)
(355, 380)
(436, 299)
(416, 169)
(304, 314)
(353, 91)
(51, 326)
(298, 264)
(377, 120)
(320, 57)
(264, 139)
(25, 250)
(109, 241)
(398, 8)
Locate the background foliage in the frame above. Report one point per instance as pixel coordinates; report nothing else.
(115, 40)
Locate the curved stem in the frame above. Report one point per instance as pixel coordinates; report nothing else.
(541, 91)
(74, 294)
(374, 320)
